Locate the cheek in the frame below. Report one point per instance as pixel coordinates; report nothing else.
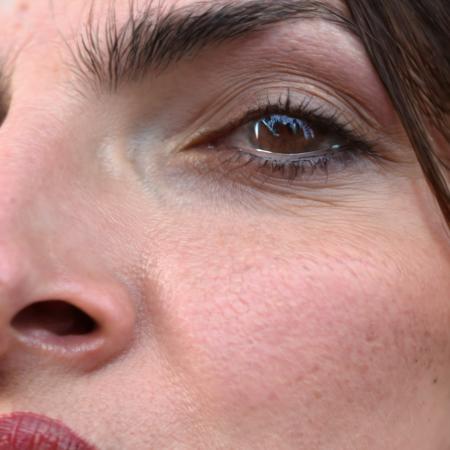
(310, 329)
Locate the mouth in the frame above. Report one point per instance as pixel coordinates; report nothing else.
(29, 431)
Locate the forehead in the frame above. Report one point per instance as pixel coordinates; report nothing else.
(62, 16)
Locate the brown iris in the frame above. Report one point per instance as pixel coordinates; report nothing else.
(282, 134)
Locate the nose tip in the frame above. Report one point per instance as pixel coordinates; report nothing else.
(71, 319)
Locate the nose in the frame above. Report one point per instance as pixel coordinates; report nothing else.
(55, 308)
(67, 318)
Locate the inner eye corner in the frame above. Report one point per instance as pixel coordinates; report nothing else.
(53, 317)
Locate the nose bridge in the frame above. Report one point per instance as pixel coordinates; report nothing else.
(15, 255)
(22, 184)
(20, 175)
(30, 148)
(19, 183)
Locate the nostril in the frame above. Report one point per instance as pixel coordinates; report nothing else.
(53, 317)
(79, 324)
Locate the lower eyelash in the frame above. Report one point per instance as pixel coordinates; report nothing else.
(293, 168)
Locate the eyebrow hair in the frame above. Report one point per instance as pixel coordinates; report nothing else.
(155, 38)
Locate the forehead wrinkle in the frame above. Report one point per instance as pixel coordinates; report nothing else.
(153, 37)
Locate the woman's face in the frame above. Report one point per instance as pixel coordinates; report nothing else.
(175, 273)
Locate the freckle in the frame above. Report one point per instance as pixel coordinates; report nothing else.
(23, 7)
(435, 381)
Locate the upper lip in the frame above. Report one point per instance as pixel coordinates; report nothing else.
(30, 431)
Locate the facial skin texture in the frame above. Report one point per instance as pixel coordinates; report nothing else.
(232, 315)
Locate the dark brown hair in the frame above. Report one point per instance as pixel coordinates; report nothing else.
(408, 42)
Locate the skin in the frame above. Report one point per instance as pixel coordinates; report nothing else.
(232, 313)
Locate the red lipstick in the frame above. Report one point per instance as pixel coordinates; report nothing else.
(29, 431)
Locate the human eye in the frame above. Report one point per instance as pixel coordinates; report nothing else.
(286, 140)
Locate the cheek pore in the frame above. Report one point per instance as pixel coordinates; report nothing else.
(311, 335)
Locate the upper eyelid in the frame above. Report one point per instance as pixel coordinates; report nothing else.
(314, 116)
(307, 106)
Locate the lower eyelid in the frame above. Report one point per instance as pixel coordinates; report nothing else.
(241, 166)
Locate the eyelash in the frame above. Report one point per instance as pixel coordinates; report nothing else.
(356, 147)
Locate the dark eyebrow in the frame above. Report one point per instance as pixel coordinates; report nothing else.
(108, 55)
